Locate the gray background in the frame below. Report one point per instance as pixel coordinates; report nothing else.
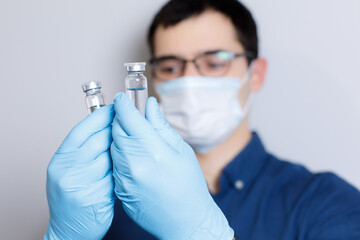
(308, 111)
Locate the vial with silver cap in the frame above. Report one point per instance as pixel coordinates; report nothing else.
(136, 85)
(94, 97)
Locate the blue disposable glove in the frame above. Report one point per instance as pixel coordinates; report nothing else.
(80, 187)
(158, 178)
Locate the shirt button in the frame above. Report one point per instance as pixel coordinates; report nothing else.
(239, 184)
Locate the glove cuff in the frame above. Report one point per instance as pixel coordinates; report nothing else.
(214, 225)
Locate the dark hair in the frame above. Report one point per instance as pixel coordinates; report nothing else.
(176, 11)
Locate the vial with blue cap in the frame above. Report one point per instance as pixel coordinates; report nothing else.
(136, 85)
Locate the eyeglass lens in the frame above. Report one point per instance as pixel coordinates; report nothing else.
(208, 64)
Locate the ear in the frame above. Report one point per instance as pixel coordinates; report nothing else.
(259, 68)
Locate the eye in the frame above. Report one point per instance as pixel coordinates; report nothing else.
(216, 65)
(169, 69)
(212, 62)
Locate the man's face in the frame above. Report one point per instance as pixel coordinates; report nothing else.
(208, 31)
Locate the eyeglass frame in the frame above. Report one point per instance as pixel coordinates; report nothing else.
(249, 55)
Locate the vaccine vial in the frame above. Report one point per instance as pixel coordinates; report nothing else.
(94, 97)
(136, 85)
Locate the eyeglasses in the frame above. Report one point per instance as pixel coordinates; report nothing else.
(211, 64)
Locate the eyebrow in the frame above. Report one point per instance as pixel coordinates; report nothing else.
(166, 57)
(153, 59)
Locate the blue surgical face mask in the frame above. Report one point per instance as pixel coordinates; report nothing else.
(205, 111)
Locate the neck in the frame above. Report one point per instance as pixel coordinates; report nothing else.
(213, 162)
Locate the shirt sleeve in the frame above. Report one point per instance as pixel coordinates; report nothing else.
(333, 209)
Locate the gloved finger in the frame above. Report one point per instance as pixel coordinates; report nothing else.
(92, 124)
(125, 151)
(122, 175)
(121, 178)
(127, 143)
(130, 119)
(162, 127)
(104, 205)
(90, 174)
(100, 192)
(87, 153)
(104, 188)
(117, 130)
(94, 146)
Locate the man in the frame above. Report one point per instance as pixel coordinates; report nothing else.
(205, 67)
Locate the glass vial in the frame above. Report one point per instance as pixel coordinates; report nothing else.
(136, 85)
(94, 97)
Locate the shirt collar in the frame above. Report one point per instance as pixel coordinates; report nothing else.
(245, 166)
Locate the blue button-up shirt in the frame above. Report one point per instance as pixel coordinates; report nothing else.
(266, 198)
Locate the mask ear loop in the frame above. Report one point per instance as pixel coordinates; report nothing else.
(249, 103)
(250, 98)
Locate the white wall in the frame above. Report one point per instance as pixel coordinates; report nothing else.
(308, 111)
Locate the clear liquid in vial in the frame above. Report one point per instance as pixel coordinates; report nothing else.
(138, 96)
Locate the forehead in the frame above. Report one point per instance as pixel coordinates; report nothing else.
(211, 30)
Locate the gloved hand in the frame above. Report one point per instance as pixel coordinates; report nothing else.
(80, 187)
(158, 178)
